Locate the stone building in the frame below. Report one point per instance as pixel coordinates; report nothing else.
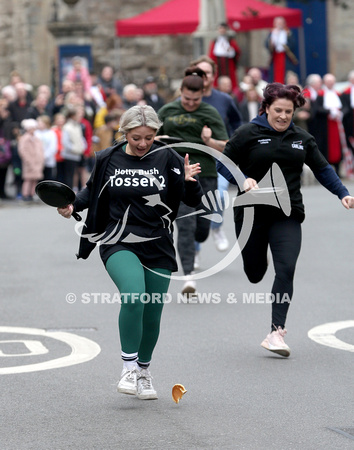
(31, 31)
(29, 47)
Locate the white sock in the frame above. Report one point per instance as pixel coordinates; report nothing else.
(130, 360)
(129, 365)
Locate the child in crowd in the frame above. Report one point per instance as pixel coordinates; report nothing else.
(49, 141)
(30, 149)
(58, 123)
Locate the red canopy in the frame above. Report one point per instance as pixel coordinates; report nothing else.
(182, 17)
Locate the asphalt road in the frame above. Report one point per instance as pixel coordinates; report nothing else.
(59, 361)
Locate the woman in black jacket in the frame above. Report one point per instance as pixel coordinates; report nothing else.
(272, 138)
(132, 198)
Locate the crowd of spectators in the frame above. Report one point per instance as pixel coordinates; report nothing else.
(68, 127)
(328, 113)
(46, 135)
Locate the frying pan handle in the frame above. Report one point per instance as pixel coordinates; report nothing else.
(76, 216)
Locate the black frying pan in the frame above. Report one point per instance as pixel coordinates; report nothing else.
(54, 193)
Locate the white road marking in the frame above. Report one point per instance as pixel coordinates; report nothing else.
(34, 348)
(82, 350)
(325, 334)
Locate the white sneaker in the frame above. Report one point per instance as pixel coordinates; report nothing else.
(220, 240)
(145, 390)
(128, 381)
(197, 261)
(189, 287)
(274, 342)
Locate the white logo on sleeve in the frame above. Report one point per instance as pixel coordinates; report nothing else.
(176, 170)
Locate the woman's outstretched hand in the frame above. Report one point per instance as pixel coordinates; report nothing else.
(190, 170)
(249, 184)
(348, 202)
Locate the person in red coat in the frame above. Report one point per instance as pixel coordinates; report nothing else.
(313, 85)
(225, 52)
(280, 44)
(328, 116)
(347, 99)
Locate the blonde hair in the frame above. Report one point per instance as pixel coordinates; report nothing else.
(46, 120)
(139, 116)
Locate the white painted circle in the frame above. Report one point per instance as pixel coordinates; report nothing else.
(82, 350)
(325, 335)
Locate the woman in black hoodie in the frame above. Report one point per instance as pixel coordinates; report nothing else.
(272, 138)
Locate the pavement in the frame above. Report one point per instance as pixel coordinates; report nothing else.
(60, 351)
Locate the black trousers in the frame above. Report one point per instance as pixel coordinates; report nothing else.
(193, 228)
(3, 172)
(61, 171)
(283, 236)
(69, 171)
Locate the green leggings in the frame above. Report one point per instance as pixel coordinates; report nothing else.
(139, 321)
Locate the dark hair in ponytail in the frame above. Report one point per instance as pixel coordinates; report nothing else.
(193, 79)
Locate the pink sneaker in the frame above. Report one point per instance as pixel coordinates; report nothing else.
(274, 342)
